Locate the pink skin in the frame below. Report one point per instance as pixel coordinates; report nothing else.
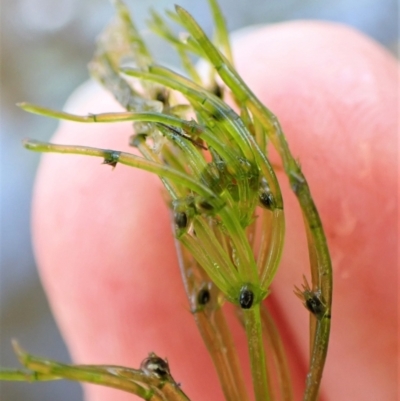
(104, 245)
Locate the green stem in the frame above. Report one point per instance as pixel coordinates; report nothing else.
(245, 259)
(174, 191)
(203, 100)
(212, 269)
(321, 268)
(80, 373)
(227, 119)
(273, 338)
(239, 89)
(227, 351)
(138, 47)
(213, 328)
(113, 157)
(190, 128)
(20, 375)
(318, 357)
(252, 321)
(271, 247)
(210, 244)
(221, 35)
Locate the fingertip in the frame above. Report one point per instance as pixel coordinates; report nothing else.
(105, 251)
(334, 92)
(103, 237)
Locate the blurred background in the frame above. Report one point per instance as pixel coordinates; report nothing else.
(45, 46)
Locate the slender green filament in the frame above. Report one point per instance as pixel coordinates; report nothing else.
(222, 189)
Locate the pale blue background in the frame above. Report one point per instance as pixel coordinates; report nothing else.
(45, 46)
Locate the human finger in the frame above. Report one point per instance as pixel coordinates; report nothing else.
(104, 237)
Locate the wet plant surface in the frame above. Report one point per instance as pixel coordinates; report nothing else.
(212, 161)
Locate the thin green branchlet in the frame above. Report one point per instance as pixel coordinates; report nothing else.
(223, 191)
(153, 381)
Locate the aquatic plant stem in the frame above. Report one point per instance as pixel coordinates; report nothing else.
(253, 326)
(45, 367)
(218, 340)
(228, 353)
(318, 357)
(23, 376)
(275, 344)
(213, 327)
(320, 262)
(113, 157)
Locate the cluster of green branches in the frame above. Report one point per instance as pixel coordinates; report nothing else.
(225, 202)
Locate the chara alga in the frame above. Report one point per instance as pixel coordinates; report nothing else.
(222, 190)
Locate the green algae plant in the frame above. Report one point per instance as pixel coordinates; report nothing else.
(226, 206)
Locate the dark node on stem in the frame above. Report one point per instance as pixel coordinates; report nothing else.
(94, 117)
(218, 90)
(180, 219)
(199, 143)
(155, 366)
(246, 298)
(312, 300)
(192, 128)
(136, 140)
(203, 297)
(183, 135)
(162, 96)
(217, 115)
(267, 200)
(206, 206)
(111, 158)
(314, 305)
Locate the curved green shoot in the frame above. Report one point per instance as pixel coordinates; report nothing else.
(253, 326)
(321, 269)
(221, 31)
(206, 306)
(113, 157)
(148, 385)
(220, 182)
(280, 364)
(139, 50)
